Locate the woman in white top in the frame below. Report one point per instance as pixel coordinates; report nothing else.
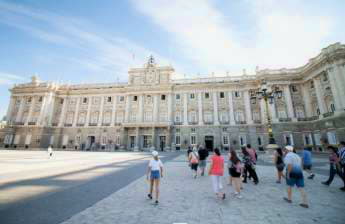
(155, 170)
(50, 151)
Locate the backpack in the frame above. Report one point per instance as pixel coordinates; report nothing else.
(194, 158)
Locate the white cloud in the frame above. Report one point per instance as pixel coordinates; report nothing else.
(10, 79)
(284, 37)
(101, 51)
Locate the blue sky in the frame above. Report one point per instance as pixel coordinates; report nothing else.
(87, 41)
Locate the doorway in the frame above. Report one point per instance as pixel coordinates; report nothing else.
(209, 143)
(162, 142)
(132, 141)
(90, 142)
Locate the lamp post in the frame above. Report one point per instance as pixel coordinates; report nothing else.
(268, 96)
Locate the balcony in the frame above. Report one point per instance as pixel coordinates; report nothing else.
(224, 122)
(241, 122)
(118, 123)
(92, 124)
(68, 125)
(32, 123)
(313, 118)
(19, 123)
(54, 124)
(208, 122)
(178, 122)
(105, 124)
(193, 122)
(286, 119)
(257, 121)
(328, 114)
(302, 119)
(80, 125)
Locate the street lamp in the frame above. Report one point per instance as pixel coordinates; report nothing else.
(268, 96)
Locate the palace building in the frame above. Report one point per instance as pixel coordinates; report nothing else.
(154, 110)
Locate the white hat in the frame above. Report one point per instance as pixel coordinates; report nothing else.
(154, 153)
(289, 148)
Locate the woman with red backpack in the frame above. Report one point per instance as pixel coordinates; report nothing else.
(194, 161)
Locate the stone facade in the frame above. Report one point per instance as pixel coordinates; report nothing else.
(153, 110)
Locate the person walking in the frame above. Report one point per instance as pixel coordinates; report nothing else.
(248, 167)
(294, 175)
(189, 150)
(194, 161)
(50, 151)
(279, 163)
(216, 172)
(235, 172)
(203, 154)
(307, 162)
(334, 167)
(341, 162)
(253, 155)
(154, 174)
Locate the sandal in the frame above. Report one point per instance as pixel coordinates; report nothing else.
(150, 196)
(304, 205)
(287, 200)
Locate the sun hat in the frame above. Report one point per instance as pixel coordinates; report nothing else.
(289, 148)
(154, 153)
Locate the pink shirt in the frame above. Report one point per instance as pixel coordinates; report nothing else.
(217, 165)
(252, 153)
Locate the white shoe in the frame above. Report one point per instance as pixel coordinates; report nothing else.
(239, 196)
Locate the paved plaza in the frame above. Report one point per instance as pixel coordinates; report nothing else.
(30, 179)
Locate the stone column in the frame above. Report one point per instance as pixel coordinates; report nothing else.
(128, 106)
(100, 120)
(185, 109)
(141, 109)
(231, 109)
(215, 108)
(9, 110)
(50, 108)
(170, 120)
(20, 110)
(113, 110)
(288, 100)
(40, 120)
(154, 137)
(88, 111)
(249, 118)
(200, 111)
(319, 96)
(155, 108)
(306, 99)
(63, 112)
(137, 139)
(263, 111)
(273, 112)
(340, 71)
(76, 112)
(32, 105)
(336, 87)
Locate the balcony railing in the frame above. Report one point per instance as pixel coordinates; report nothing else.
(92, 124)
(241, 122)
(80, 125)
(68, 125)
(208, 122)
(328, 114)
(19, 123)
(193, 122)
(118, 123)
(54, 124)
(178, 122)
(32, 123)
(105, 124)
(257, 122)
(287, 119)
(224, 122)
(302, 119)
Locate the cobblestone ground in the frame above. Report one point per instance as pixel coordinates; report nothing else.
(188, 200)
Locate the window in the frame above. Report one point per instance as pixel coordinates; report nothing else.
(148, 116)
(225, 129)
(135, 98)
(177, 97)
(104, 140)
(40, 99)
(107, 117)
(225, 140)
(61, 101)
(109, 99)
(312, 84)
(121, 98)
(192, 96)
(221, 94)
(193, 140)
(192, 116)
(307, 139)
(299, 112)
(239, 116)
(224, 116)
(288, 139)
(148, 99)
(259, 141)
(294, 89)
(256, 116)
(29, 99)
(177, 130)
(94, 117)
(332, 138)
(237, 94)
(132, 141)
(325, 77)
(162, 97)
(85, 100)
(192, 130)
(282, 113)
(147, 141)
(163, 116)
(208, 117)
(82, 117)
(177, 140)
(317, 138)
(178, 117)
(119, 117)
(318, 111)
(207, 95)
(133, 117)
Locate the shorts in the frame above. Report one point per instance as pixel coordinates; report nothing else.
(280, 167)
(307, 167)
(194, 166)
(202, 163)
(155, 175)
(234, 173)
(295, 179)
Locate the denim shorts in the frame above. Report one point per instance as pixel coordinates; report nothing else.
(295, 179)
(155, 174)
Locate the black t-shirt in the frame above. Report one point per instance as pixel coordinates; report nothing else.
(189, 151)
(203, 154)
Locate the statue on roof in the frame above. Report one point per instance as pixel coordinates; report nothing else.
(151, 62)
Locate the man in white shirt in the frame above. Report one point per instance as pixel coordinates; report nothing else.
(294, 175)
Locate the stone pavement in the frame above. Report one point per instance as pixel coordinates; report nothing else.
(188, 200)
